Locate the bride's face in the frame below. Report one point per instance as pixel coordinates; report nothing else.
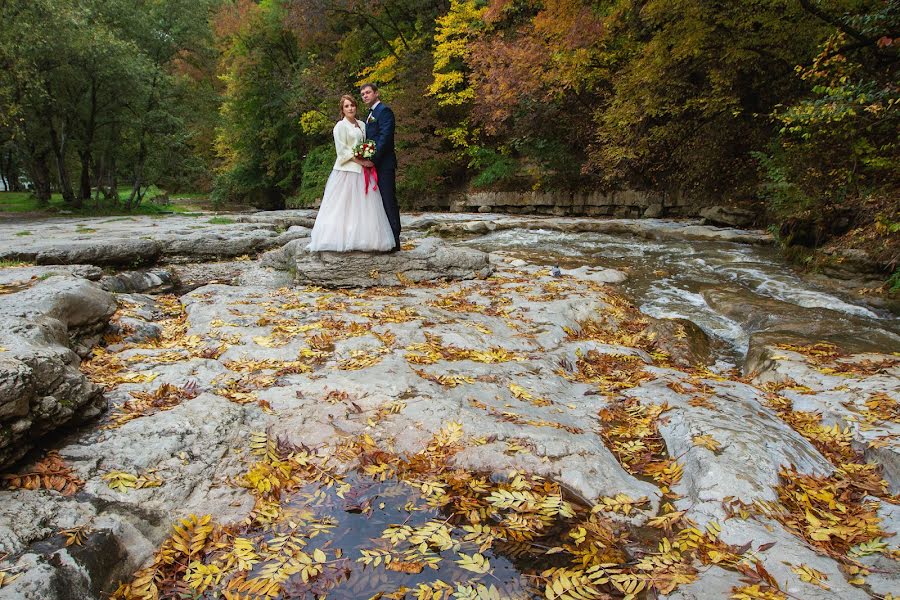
(349, 109)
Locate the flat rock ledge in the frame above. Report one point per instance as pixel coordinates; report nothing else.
(115, 245)
(430, 260)
(41, 388)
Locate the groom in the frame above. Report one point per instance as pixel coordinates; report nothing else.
(380, 127)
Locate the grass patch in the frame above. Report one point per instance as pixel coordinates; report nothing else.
(14, 263)
(893, 282)
(19, 202)
(220, 221)
(81, 229)
(23, 233)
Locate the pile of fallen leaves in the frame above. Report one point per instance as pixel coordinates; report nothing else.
(630, 430)
(833, 441)
(837, 514)
(611, 373)
(828, 359)
(49, 473)
(166, 397)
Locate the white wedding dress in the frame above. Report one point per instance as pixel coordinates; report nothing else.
(350, 218)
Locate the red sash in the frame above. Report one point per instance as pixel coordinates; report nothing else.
(371, 175)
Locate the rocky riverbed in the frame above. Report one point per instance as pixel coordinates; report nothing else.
(445, 423)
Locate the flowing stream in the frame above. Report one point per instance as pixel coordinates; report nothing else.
(730, 290)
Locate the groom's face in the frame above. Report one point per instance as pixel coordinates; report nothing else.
(369, 95)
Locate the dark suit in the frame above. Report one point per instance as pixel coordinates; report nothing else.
(381, 129)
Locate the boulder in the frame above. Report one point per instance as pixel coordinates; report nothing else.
(430, 260)
(41, 388)
(683, 341)
(157, 281)
(729, 216)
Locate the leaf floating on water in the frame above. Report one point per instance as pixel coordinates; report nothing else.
(475, 563)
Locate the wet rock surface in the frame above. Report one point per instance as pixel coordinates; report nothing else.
(526, 363)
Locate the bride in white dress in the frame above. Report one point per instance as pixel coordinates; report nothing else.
(350, 217)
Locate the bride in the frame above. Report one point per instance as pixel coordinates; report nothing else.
(351, 216)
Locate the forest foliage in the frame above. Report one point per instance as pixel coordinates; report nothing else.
(794, 103)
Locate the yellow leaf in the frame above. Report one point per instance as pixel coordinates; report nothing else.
(810, 575)
(475, 563)
(708, 442)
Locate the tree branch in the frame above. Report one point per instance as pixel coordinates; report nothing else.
(836, 22)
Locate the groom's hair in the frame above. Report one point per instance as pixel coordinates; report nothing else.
(368, 85)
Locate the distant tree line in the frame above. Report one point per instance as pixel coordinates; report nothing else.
(794, 102)
(98, 94)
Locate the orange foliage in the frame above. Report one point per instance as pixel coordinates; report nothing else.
(232, 16)
(544, 59)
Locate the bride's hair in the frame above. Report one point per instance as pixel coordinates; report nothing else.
(344, 98)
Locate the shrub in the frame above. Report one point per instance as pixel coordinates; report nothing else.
(316, 168)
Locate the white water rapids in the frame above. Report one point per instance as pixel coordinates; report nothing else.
(679, 278)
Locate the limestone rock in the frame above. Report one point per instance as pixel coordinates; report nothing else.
(684, 341)
(41, 388)
(283, 219)
(156, 281)
(430, 260)
(839, 399)
(103, 252)
(597, 275)
(217, 244)
(729, 216)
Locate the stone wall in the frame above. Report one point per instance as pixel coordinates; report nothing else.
(623, 204)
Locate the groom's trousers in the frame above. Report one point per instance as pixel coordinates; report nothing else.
(387, 183)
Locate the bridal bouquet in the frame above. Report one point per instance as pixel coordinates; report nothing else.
(364, 150)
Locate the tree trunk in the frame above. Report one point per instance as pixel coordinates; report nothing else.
(39, 171)
(135, 198)
(6, 161)
(58, 144)
(85, 183)
(111, 183)
(85, 154)
(13, 176)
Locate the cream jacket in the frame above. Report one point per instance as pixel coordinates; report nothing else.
(347, 135)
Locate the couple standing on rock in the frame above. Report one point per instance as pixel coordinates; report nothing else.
(359, 209)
